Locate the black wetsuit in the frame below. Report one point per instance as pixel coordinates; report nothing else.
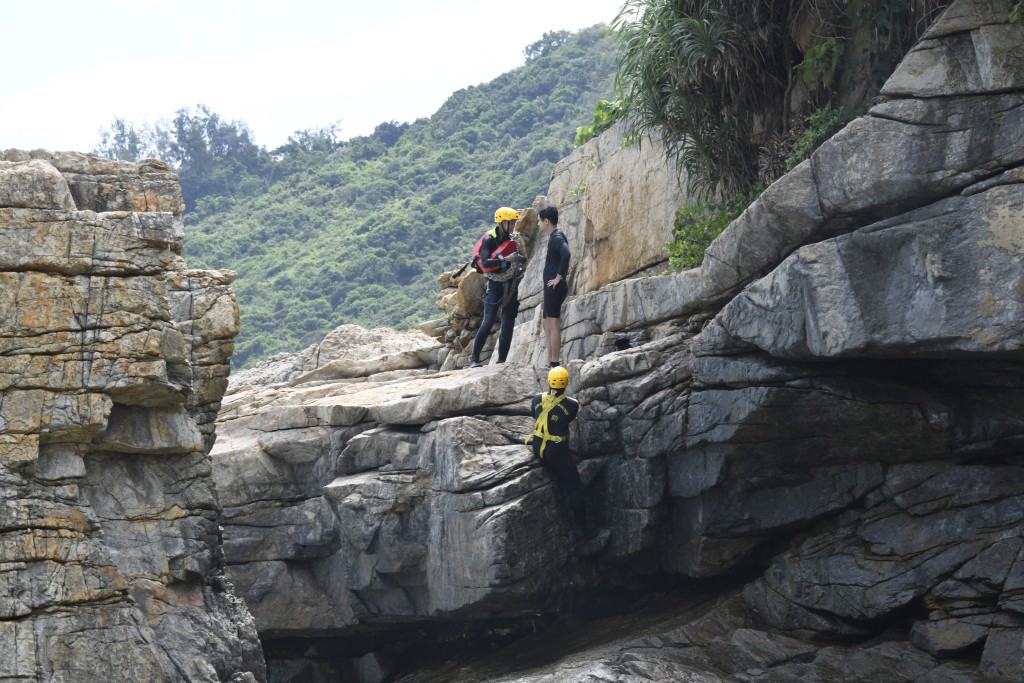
(556, 263)
(497, 292)
(557, 458)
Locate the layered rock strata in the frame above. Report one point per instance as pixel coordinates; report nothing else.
(113, 361)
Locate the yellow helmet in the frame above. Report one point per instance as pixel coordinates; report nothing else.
(506, 213)
(558, 378)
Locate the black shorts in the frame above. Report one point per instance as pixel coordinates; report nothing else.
(554, 297)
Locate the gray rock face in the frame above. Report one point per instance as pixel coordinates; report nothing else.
(897, 288)
(388, 501)
(113, 360)
(832, 402)
(830, 407)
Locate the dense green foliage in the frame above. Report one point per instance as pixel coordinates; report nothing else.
(743, 90)
(699, 223)
(703, 74)
(324, 232)
(729, 87)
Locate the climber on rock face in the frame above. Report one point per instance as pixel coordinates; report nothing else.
(553, 412)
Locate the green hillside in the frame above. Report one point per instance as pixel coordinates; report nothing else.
(324, 233)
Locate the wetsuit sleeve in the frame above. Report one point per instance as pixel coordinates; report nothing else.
(563, 258)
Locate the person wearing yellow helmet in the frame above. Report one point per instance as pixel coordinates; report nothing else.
(553, 411)
(499, 253)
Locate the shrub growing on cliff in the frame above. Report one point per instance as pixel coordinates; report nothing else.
(820, 126)
(698, 224)
(703, 76)
(742, 91)
(723, 81)
(606, 113)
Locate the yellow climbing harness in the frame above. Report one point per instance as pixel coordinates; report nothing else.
(548, 402)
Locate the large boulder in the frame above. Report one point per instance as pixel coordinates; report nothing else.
(431, 512)
(348, 351)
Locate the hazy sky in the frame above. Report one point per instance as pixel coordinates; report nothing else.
(72, 66)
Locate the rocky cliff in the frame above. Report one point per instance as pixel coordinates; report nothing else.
(113, 361)
(821, 427)
(808, 451)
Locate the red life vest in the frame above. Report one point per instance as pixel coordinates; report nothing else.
(506, 248)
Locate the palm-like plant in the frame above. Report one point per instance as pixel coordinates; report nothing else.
(717, 79)
(708, 75)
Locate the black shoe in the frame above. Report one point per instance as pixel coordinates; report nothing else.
(473, 364)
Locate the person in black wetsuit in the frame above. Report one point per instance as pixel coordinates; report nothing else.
(498, 254)
(556, 268)
(553, 411)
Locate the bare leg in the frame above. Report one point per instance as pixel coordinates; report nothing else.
(553, 335)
